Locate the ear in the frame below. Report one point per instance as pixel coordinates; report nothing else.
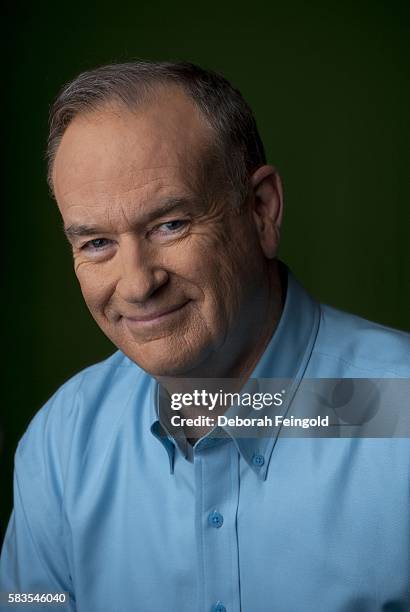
(267, 203)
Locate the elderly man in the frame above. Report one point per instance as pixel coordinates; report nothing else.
(174, 215)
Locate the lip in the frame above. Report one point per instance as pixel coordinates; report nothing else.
(154, 318)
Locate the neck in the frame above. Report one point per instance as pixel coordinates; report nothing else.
(243, 355)
(265, 319)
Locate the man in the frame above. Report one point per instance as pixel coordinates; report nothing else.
(174, 215)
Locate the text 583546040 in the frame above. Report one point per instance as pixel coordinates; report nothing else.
(34, 598)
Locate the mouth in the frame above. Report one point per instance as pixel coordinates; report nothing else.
(156, 318)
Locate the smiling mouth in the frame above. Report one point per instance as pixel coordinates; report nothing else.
(156, 318)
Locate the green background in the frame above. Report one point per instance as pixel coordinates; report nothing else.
(329, 86)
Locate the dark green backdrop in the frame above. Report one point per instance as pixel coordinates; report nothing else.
(329, 87)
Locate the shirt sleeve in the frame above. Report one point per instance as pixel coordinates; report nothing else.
(34, 557)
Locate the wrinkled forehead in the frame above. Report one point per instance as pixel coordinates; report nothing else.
(114, 150)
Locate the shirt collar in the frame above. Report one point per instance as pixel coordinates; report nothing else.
(286, 356)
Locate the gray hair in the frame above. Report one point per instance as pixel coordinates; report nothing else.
(239, 149)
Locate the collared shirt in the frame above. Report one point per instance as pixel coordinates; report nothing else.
(114, 512)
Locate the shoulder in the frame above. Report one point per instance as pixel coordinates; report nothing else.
(88, 404)
(358, 347)
(92, 384)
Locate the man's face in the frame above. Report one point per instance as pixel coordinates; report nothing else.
(169, 272)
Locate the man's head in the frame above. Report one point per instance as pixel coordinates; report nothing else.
(173, 215)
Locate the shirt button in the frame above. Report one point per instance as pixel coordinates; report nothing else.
(258, 460)
(215, 520)
(218, 607)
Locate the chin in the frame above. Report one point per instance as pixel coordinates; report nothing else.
(165, 363)
(165, 367)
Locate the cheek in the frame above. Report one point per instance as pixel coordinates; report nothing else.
(220, 272)
(95, 286)
(237, 268)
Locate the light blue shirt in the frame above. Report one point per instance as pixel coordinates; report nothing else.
(120, 517)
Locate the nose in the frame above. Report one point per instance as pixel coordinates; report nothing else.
(140, 276)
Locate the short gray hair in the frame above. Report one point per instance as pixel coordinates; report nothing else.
(239, 148)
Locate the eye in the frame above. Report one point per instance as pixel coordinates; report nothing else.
(97, 244)
(172, 226)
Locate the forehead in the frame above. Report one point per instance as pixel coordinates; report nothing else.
(114, 154)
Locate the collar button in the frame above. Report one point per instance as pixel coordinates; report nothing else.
(258, 460)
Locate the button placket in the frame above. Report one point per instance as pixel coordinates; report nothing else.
(217, 475)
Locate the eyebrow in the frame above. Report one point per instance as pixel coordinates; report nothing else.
(77, 230)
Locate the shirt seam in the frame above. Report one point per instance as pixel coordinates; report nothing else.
(353, 365)
(23, 511)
